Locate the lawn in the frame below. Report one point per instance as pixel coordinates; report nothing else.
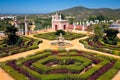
(62, 65)
(67, 36)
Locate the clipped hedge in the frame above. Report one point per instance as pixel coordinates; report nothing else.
(111, 72)
(38, 68)
(14, 73)
(10, 49)
(39, 64)
(67, 36)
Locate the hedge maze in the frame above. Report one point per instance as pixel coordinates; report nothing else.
(62, 65)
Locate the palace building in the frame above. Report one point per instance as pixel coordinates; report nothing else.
(58, 23)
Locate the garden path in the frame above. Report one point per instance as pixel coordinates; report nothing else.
(4, 75)
(46, 45)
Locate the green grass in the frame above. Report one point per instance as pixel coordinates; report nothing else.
(67, 36)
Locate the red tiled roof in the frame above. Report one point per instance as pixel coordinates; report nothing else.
(71, 27)
(77, 27)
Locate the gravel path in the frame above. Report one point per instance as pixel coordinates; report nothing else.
(4, 75)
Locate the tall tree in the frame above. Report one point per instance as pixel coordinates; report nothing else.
(12, 38)
(92, 18)
(101, 17)
(42, 23)
(71, 20)
(111, 36)
(63, 16)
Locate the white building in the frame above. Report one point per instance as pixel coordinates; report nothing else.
(115, 25)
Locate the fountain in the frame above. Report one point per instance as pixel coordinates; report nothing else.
(61, 43)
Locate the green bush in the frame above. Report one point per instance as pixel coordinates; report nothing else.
(52, 36)
(116, 52)
(32, 72)
(62, 61)
(111, 72)
(60, 31)
(94, 69)
(3, 55)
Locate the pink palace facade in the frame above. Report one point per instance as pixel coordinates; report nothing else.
(58, 23)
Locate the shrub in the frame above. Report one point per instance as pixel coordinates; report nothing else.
(111, 72)
(116, 52)
(3, 55)
(62, 50)
(60, 31)
(32, 72)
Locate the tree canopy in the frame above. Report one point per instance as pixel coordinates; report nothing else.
(111, 36)
(42, 23)
(12, 38)
(99, 17)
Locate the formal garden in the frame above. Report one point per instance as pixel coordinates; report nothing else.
(104, 41)
(62, 65)
(27, 44)
(14, 43)
(54, 35)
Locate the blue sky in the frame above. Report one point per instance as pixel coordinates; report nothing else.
(46, 6)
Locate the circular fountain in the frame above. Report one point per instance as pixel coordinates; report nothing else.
(61, 43)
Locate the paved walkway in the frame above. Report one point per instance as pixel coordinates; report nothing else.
(47, 45)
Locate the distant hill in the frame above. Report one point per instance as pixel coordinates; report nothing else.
(79, 12)
(84, 12)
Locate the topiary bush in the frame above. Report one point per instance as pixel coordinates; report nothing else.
(60, 31)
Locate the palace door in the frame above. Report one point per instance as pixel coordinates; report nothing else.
(64, 27)
(56, 27)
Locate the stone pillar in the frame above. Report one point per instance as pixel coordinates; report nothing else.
(77, 23)
(16, 22)
(74, 25)
(26, 27)
(87, 23)
(60, 18)
(83, 26)
(83, 23)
